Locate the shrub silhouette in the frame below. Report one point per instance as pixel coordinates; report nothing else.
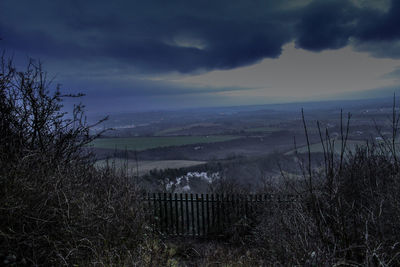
(55, 207)
(349, 213)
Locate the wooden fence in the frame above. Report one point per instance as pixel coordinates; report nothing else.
(205, 214)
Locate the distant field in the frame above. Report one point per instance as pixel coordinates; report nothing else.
(143, 143)
(262, 129)
(316, 148)
(146, 166)
(177, 129)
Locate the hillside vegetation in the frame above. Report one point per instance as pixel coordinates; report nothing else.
(55, 207)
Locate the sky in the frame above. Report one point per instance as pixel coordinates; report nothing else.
(129, 55)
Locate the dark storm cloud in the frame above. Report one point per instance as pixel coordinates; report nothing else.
(326, 25)
(189, 36)
(225, 47)
(334, 24)
(160, 36)
(381, 26)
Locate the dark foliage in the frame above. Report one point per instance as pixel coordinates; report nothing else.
(349, 213)
(55, 208)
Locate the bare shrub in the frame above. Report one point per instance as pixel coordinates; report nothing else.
(55, 207)
(349, 212)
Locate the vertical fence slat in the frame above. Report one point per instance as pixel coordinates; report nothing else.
(202, 216)
(237, 205)
(218, 214)
(182, 216)
(155, 226)
(171, 215)
(232, 207)
(192, 206)
(212, 211)
(165, 213)
(197, 214)
(242, 206)
(187, 214)
(251, 205)
(176, 214)
(160, 221)
(228, 208)
(245, 206)
(208, 214)
(223, 211)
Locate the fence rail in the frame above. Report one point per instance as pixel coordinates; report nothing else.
(205, 214)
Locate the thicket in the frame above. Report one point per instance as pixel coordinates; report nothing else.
(350, 211)
(55, 207)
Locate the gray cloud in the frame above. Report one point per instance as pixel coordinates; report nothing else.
(105, 47)
(189, 36)
(153, 36)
